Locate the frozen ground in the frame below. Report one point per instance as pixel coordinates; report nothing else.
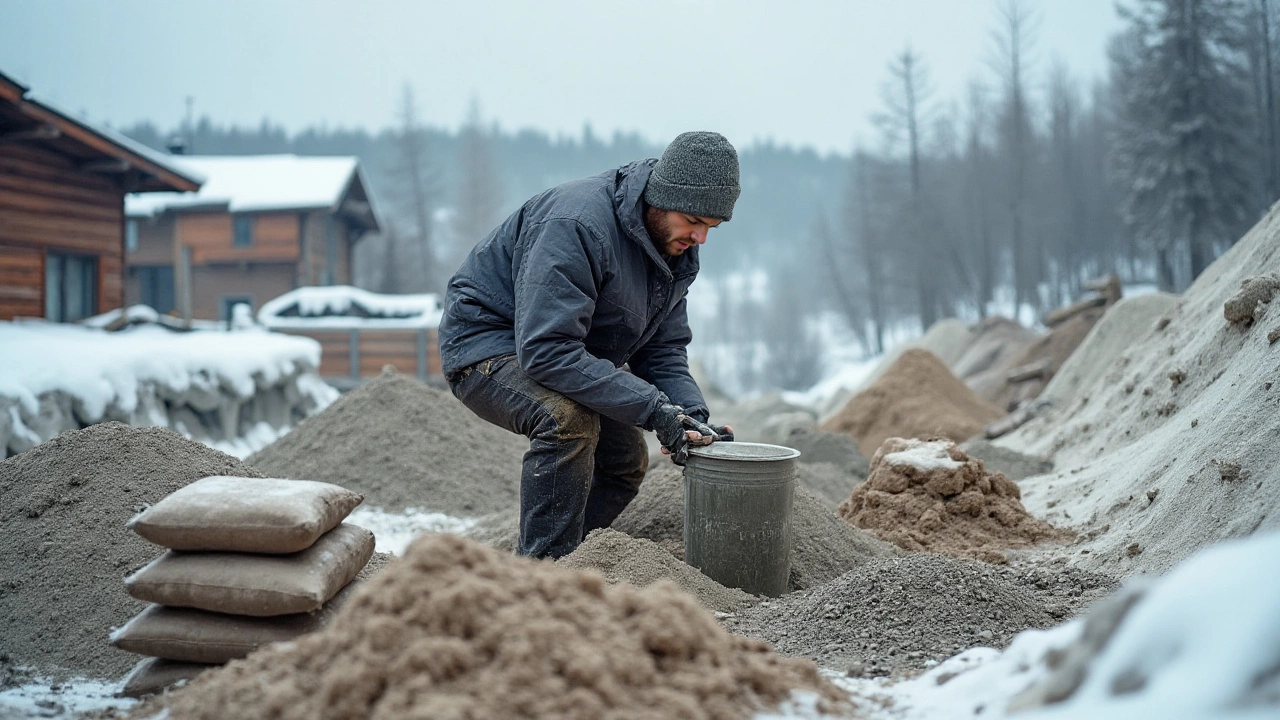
(394, 530)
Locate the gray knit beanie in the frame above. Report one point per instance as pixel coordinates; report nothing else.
(697, 174)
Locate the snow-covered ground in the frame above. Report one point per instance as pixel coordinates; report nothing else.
(234, 389)
(392, 531)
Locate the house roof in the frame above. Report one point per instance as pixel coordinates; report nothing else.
(24, 118)
(258, 183)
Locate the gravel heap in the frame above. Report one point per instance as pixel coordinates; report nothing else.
(66, 551)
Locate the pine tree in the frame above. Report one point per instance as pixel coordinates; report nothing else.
(1182, 130)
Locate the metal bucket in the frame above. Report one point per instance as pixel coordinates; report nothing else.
(737, 514)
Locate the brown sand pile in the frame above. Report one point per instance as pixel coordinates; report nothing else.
(457, 630)
(66, 551)
(823, 545)
(930, 495)
(898, 614)
(404, 445)
(1053, 347)
(916, 397)
(622, 558)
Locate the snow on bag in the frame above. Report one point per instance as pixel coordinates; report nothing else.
(251, 515)
(256, 585)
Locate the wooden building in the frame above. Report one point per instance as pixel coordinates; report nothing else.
(62, 226)
(259, 227)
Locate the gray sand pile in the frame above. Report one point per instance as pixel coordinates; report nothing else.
(930, 495)
(1105, 343)
(893, 615)
(749, 417)
(824, 546)
(404, 445)
(1174, 443)
(994, 341)
(1013, 464)
(66, 551)
(622, 558)
(1051, 349)
(916, 397)
(834, 463)
(457, 630)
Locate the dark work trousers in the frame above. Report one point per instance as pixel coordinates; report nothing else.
(581, 469)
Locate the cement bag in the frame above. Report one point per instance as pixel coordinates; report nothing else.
(153, 675)
(257, 515)
(256, 585)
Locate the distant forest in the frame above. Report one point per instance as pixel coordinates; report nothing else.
(1011, 195)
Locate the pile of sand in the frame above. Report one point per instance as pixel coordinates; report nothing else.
(823, 545)
(899, 614)
(458, 630)
(622, 558)
(916, 397)
(404, 445)
(1175, 443)
(994, 341)
(66, 551)
(930, 495)
(1017, 466)
(1053, 348)
(948, 339)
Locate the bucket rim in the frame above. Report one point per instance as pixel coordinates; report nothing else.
(709, 452)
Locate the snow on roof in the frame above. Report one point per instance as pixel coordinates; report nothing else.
(254, 183)
(343, 306)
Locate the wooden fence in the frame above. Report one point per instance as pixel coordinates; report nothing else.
(355, 353)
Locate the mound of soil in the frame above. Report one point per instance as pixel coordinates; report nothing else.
(823, 545)
(66, 551)
(1053, 347)
(458, 630)
(994, 341)
(893, 615)
(930, 495)
(404, 444)
(622, 558)
(916, 397)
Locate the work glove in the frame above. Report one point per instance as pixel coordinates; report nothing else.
(667, 421)
(723, 433)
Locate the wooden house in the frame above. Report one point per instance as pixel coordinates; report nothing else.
(259, 227)
(62, 226)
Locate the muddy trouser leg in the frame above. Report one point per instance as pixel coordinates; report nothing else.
(622, 458)
(556, 476)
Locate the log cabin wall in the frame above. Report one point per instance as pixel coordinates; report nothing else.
(48, 204)
(212, 285)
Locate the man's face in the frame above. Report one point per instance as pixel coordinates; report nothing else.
(674, 232)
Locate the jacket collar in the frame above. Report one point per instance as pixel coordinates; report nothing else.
(628, 205)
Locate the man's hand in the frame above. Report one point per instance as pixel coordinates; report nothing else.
(667, 421)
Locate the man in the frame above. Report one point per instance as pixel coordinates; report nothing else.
(538, 322)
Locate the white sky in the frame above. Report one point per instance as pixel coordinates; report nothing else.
(801, 72)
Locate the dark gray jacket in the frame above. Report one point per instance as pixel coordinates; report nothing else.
(572, 284)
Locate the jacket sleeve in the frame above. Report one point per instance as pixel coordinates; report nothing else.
(664, 361)
(556, 287)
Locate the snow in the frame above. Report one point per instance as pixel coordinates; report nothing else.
(40, 357)
(924, 455)
(253, 183)
(392, 531)
(43, 698)
(343, 306)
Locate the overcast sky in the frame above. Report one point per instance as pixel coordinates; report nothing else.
(800, 72)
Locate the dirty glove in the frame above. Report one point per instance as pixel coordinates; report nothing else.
(667, 421)
(723, 432)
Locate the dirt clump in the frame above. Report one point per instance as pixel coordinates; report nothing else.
(622, 558)
(66, 551)
(896, 615)
(456, 630)
(404, 444)
(823, 545)
(1243, 307)
(930, 495)
(916, 397)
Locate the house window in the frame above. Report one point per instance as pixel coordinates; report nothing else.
(131, 235)
(243, 231)
(155, 285)
(230, 301)
(70, 287)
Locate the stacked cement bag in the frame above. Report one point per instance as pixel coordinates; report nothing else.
(249, 562)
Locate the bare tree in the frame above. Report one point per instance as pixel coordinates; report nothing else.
(479, 188)
(414, 194)
(977, 174)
